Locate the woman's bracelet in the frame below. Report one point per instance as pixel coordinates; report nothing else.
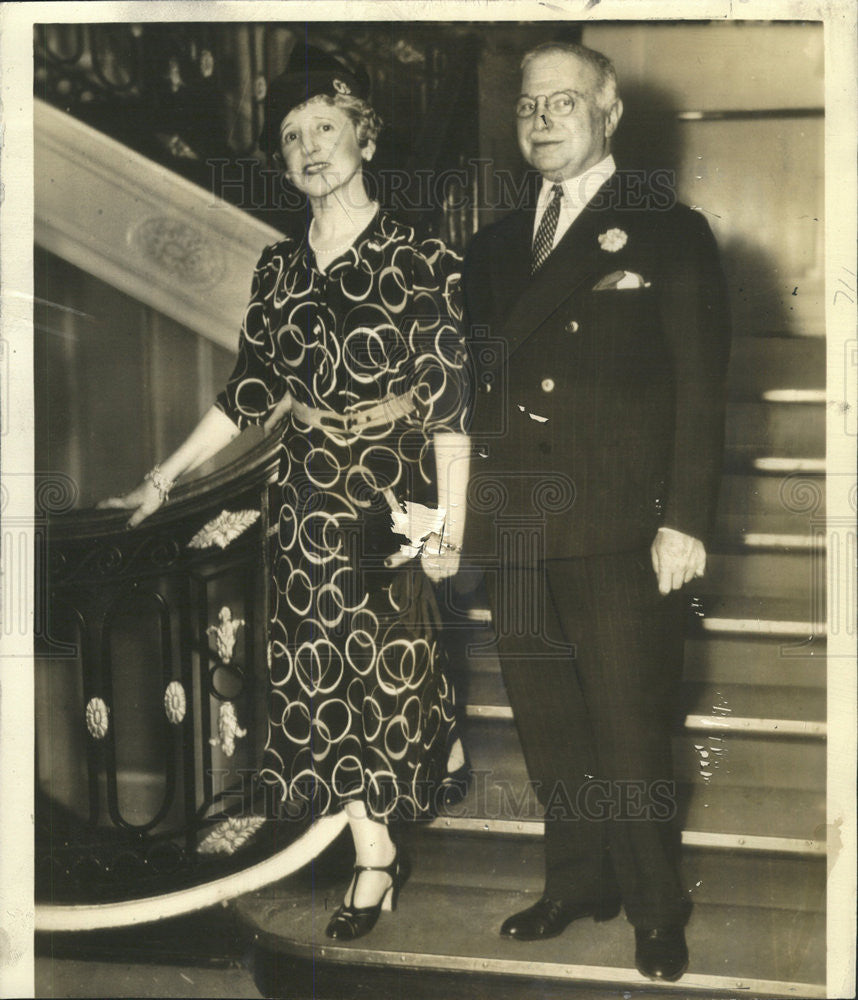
(160, 482)
(450, 546)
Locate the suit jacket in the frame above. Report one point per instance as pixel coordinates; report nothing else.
(599, 414)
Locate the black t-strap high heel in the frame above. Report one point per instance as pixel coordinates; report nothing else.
(350, 922)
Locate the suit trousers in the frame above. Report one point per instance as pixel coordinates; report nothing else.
(591, 656)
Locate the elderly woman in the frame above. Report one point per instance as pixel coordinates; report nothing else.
(350, 347)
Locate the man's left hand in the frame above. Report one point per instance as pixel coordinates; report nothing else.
(676, 559)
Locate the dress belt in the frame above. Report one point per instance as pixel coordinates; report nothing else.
(386, 411)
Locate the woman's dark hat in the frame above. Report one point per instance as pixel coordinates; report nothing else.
(309, 73)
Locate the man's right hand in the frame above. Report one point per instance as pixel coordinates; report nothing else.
(143, 500)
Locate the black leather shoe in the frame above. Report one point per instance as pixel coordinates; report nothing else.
(661, 952)
(549, 917)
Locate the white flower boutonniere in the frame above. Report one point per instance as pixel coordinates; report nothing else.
(613, 240)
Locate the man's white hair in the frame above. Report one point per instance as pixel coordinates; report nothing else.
(607, 90)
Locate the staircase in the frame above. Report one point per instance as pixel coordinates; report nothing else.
(749, 747)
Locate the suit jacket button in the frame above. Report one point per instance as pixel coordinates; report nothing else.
(572, 326)
(548, 385)
(545, 447)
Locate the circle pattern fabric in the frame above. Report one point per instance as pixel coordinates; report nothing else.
(359, 706)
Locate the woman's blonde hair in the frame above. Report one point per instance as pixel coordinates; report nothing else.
(363, 116)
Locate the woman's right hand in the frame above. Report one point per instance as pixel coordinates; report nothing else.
(144, 500)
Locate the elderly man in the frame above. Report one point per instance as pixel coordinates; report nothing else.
(599, 426)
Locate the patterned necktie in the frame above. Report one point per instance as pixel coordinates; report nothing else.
(544, 240)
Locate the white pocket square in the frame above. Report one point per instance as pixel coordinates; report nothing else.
(619, 280)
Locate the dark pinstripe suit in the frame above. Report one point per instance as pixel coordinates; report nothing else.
(563, 510)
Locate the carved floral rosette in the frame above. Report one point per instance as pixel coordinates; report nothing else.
(178, 248)
(175, 702)
(97, 718)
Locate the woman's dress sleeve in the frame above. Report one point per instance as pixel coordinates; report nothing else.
(254, 388)
(440, 376)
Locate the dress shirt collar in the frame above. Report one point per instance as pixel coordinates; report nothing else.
(577, 191)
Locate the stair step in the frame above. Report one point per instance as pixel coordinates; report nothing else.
(735, 784)
(735, 652)
(795, 396)
(760, 364)
(741, 878)
(760, 818)
(759, 660)
(778, 596)
(735, 878)
(796, 626)
(774, 706)
(485, 690)
(769, 820)
(777, 704)
(757, 950)
(786, 465)
(773, 574)
(757, 616)
(732, 534)
(714, 756)
(756, 502)
(764, 428)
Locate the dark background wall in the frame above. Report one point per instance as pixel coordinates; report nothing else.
(117, 384)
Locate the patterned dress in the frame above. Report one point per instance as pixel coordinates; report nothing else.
(359, 707)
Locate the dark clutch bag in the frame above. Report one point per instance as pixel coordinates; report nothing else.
(413, 596)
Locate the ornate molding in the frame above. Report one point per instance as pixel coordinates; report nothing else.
(223, 529)
(178, 248)
(228, 836)
(121, 557)
(228, 729)
(225, 633)
(92, 191)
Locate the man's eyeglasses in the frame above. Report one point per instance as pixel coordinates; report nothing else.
(559, 104)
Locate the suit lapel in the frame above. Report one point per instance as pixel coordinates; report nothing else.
(510, 278)
(576, 259)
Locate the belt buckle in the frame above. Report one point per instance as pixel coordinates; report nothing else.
(327, 422)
